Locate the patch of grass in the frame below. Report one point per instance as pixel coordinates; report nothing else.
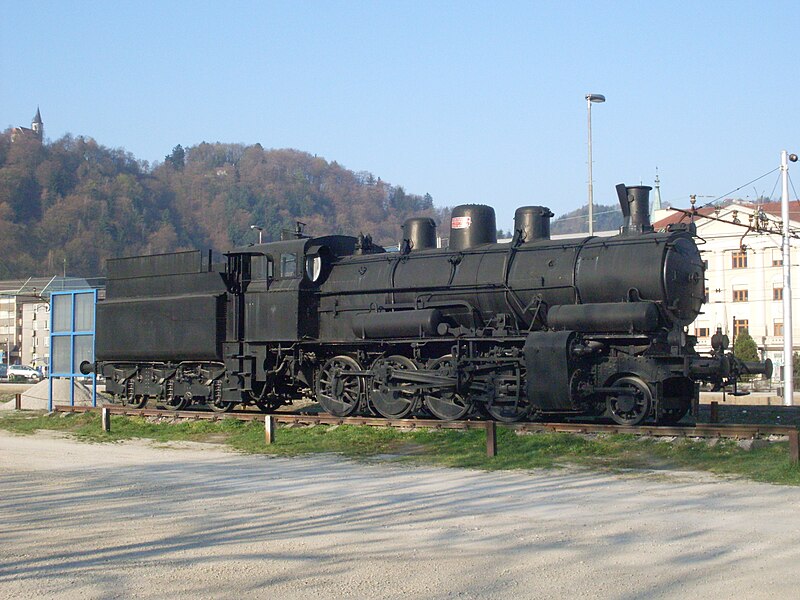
(466, 449)
(87, 426)
(6, 397)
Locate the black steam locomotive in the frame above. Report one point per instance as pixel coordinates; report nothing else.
(534, 327)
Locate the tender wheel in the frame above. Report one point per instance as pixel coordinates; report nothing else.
(445, 404)
(131, 398)
(338, 391)
(670, 416)
(176, 403)
(220, 406)
(138, 401)
(631, 408)
(215, 402)
(393, 400)
(171, 402)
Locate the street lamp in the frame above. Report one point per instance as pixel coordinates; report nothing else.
(590, 98)
(259, 229)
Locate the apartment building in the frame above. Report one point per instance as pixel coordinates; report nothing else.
(25, 316)
(744, 274)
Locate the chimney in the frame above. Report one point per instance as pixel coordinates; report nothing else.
(634, 201)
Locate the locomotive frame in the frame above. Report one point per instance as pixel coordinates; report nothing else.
(509, 330)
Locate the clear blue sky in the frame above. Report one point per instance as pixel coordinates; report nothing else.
(468, 101)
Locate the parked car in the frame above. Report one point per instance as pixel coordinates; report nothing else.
(25, 372)
(3, 371)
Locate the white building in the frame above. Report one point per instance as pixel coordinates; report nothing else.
(25, 317)
(744, 274)
(11, 326)
(36, 335)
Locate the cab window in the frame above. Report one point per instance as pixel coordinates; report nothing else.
(261, 272)
(288, 264)
(259, 268)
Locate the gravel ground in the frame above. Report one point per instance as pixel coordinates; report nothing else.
(135, 520)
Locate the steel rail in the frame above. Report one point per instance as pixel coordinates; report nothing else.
(698, 430)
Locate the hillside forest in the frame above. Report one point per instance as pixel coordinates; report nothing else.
(70, 204)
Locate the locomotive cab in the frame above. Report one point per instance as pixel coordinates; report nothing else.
(278, 305)
(281, 298)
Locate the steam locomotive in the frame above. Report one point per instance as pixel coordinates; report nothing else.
(530, 328)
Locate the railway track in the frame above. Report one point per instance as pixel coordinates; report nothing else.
(700, 430)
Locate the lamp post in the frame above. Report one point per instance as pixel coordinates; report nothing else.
(259, 229)
(591, 98)
(788, 358)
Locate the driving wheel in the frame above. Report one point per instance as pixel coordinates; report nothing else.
(392, 399)
(339, 392)
(446, 404)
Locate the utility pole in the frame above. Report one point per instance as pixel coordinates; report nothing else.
(788, 359)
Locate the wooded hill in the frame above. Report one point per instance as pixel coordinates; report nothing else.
(606, 218)
(74, 199)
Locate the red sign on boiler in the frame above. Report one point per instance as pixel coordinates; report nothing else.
(460, 222)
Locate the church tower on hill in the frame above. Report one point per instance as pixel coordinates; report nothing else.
(36, 131)
(37, 126)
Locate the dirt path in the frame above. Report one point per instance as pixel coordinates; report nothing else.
(137, 521)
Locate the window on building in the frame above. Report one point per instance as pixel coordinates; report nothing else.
(740, 326)
(778, 328)
(705, 297)
(701, 332)
(777, 293)
(705, 265)
(739, 260)
(740, 295)
(777, 258)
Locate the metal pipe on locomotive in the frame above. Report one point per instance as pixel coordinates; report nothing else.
(583, 326)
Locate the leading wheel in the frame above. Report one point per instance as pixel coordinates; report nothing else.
(339, 392)
(506, 408)
(392, 399)
(446, 404)
(633, 404)
(670, 416)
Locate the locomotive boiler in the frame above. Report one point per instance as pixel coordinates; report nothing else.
(535, 326)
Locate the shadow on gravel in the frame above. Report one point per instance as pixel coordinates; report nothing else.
(253, 510)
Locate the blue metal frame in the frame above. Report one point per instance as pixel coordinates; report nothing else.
(72, 333)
